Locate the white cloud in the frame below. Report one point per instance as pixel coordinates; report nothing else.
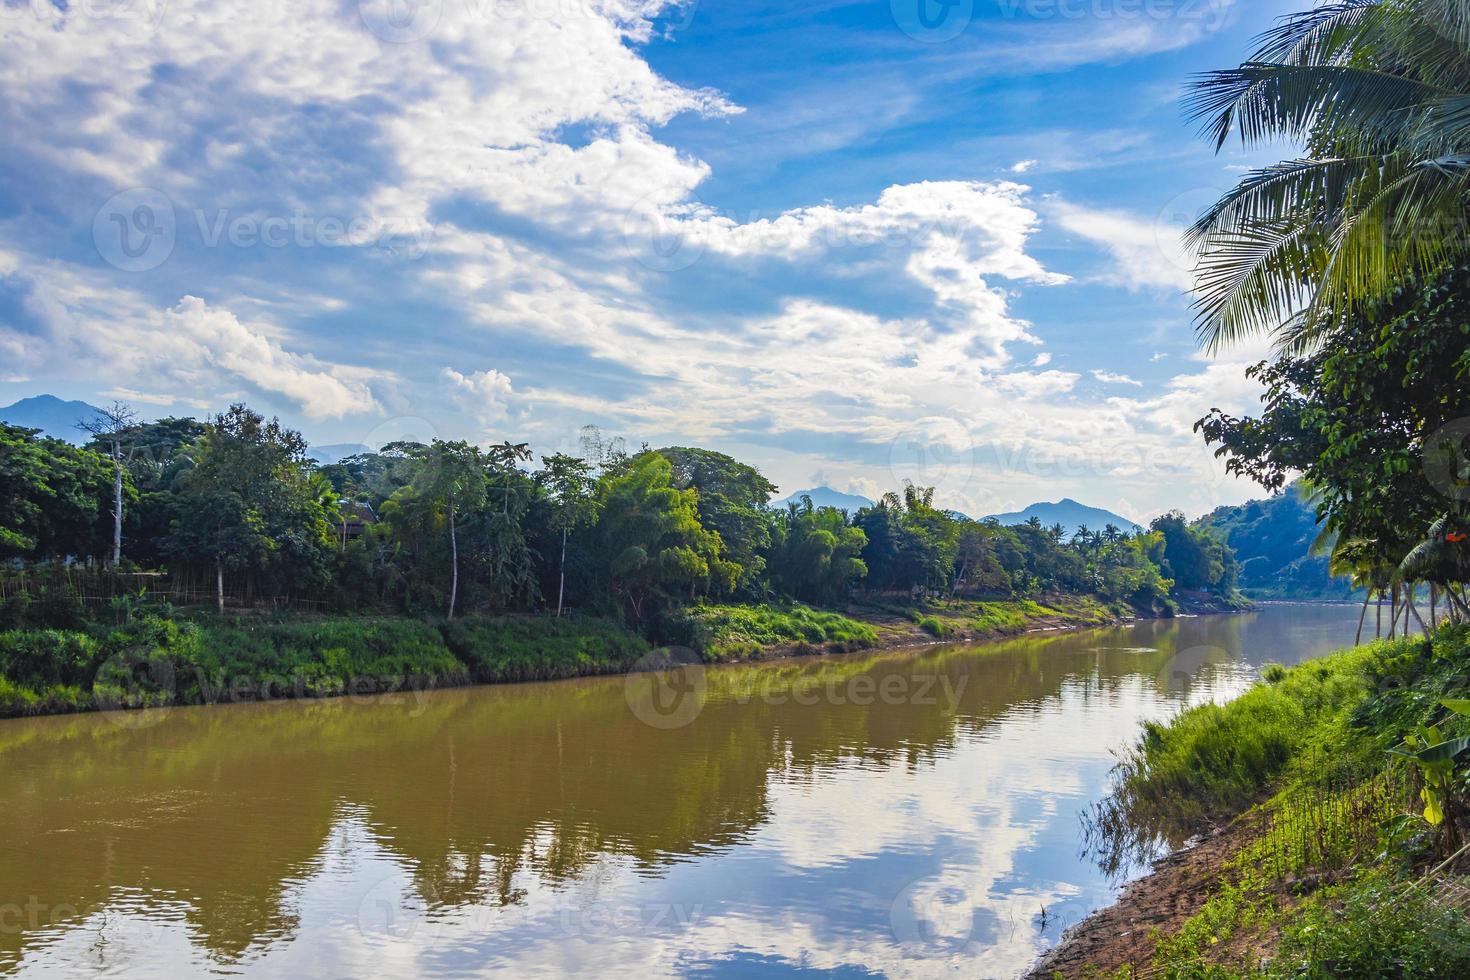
(485, 394)
(1146, 254)
(1021, 166)
(1110, 378)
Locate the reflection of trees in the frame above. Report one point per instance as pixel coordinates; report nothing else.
(223, 808)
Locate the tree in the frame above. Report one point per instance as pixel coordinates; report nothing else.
(1366, 419)
(815, 554)
(1377, 91)
(568, 485)
(113, 428)
(732, 502)
(51, 496)
(650, 538)
(448, 478)
(251, 503)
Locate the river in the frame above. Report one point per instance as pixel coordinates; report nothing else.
(908, 813)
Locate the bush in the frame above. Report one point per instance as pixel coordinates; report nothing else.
(523, 648)
(740, 632)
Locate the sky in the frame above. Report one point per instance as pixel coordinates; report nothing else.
(852, 243)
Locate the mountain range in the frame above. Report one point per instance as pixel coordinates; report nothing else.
(53, 416)
(1069, 514)
(826, 497)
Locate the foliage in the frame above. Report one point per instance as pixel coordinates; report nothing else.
(519, 648)
(1273, 542)
(722, 632)
(55, 499)
(1376, 91)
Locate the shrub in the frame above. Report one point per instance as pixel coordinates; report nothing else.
(522, 648)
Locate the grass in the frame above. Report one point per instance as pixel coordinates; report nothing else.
(156, 661)
(723, 633)
(1334, 883)
(520, 648)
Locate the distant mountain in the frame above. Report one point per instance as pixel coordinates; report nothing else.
(54, 417)
(1069, 514)
(1272, 540)
(336, 452)
(827, 497)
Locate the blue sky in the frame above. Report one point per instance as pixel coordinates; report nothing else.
(853, 243)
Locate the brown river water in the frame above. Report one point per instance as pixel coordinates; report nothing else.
(908, 813)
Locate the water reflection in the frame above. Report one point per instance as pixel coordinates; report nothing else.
(802, 821)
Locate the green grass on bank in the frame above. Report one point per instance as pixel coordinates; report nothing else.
(727, 632)
(159, 659)
(947, 619)
(1343, 876)
(155, 660)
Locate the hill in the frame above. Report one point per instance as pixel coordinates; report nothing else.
(1272, 540)
(827, 497)
(53, 416)
(336, 452)
(1068, 513)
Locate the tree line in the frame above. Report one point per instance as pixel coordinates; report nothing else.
(440, 527)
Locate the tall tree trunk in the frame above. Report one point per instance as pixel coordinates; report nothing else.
(1362, 616)
(1393, 610)
(1433, 601)
(561, 585)
(117, 468)
(219, 584)
(1378, 615)
(453, 563)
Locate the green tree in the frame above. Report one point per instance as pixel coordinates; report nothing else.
(52, 496)
(732, 503)
(1377, 91)
(251, 503)
(448, 480)
(570, 489)
(816, 555)
(650, 539)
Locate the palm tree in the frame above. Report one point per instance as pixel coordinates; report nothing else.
(1379, 93)
(1443, 560)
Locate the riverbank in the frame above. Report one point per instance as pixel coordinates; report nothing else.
(1331, 816)
(148, 659)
